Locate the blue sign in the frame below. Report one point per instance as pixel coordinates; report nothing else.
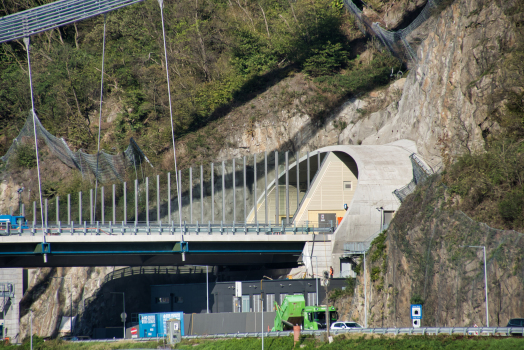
(154, 324)
(416, 312)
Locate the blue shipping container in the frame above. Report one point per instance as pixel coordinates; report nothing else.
(147, 323)
(153, 325)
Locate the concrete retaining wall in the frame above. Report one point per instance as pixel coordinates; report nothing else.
(227, 322)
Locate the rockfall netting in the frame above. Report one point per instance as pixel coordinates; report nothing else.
(110, 167)
(398, 43)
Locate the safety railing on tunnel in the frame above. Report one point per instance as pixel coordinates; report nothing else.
(145, 228)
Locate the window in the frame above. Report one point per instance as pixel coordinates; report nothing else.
(270, 302)
(257, 304)
(245, 303)
(179, 300)
(347, 186)
(311, 299)
(162, 300)
(236, 304)
(282, 297)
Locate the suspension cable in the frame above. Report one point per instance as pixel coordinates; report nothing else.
(27, 43)
(178, 184)
(100, 115)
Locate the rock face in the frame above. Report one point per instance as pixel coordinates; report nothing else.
(422, 261)
(444, 104)
(447, 98)
(49, 294)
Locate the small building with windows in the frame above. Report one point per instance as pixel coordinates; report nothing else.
(191, 298)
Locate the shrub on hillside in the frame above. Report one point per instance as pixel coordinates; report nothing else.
(25, 156)
(326, 61)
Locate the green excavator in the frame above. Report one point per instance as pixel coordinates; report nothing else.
(294, 311)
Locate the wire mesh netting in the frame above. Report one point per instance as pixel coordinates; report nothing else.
(110, 168)
(398, 42)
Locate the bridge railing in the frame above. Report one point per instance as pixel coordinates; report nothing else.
(145, 228)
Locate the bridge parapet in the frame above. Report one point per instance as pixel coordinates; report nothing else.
(144, 228)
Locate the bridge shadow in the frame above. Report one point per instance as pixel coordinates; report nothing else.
(104, 308)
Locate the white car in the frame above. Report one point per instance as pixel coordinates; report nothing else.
(345, 325)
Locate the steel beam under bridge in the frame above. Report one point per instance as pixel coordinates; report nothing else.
(160, 250)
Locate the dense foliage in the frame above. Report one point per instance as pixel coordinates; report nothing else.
(490, 185)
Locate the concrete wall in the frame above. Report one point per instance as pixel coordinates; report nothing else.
(191, 298)
(12, 316)
(227, 322)
(327, 194)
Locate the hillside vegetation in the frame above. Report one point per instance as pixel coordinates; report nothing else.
(221, 55)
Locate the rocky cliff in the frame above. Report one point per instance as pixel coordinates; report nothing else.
(424, 259)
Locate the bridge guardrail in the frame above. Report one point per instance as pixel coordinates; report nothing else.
(472, 331)
(142, 228)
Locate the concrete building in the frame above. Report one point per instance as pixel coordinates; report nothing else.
(347, 186)
(191, 298)
(13, 283)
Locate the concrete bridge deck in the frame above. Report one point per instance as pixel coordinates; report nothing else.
(150, 245)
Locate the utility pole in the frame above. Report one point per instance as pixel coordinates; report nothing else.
(485, 277)
(31, 327)
(124, 316)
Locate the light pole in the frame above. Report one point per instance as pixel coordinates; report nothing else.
(365, 295)
(207, 288)
(262, 310)
(124, 316)
(31, 327)
(485, 276)
(71, 314)
(316, 277)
